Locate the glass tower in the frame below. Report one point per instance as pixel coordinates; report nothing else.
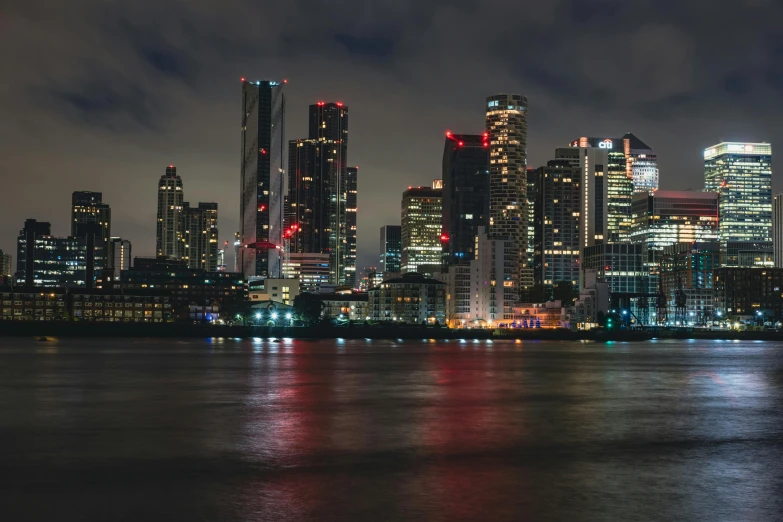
(391, 248)
(422, 218)
(261, 200)
(170, 203)
(741, 173)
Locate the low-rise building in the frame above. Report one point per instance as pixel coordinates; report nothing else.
(540, 315)
(273, 289)
(352, 306)
(409, 298)
(749, 293)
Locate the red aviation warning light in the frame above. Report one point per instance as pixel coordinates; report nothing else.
(242, 79)
(444, 237)
(263, 151)
(461, 143)
(320, 104)
(261, 208)
(339, 104)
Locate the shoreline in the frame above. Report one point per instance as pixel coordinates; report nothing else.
(53, 329)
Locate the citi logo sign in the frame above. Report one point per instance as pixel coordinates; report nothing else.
(606, 144)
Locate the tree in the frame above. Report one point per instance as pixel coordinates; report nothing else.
(565, 292)
(308, 307)
(535, 294)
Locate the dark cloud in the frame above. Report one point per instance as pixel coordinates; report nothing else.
(102, 96)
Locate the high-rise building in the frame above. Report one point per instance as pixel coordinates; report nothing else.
(391, 249)
(261, 201)
(506, 123)
(169, 229)
(351, 214)
(465, 193)
(777, 229)
(6, 268)
(119, 255)
(307, 202)
(557, 246)
(88, 207)
(47, 261)
(422, 219)
(237, 249)
(667, 217)
(631, 166)
(741, 173)
(688, 268)
(200, 234)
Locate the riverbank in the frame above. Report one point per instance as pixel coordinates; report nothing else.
(160, 330)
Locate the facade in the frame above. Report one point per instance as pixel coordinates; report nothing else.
(631, 166)
(311, 270)
(410, 298)
(621, 266)
(541, 315)
(747, 253)
(741, 173)
(84, 306)
(47, 261)
(506, 123)
(353, 306)
(465, 193)
(688, 269)
(307, 202)
(668, 217)
(119, 258)
(276, 290)
(351, 214)
(88, 207)
(169, 237)
(422, 211)
(261, 200)
(777, 229)
(556, 245)
(391, 249)
(200, 236)
(6, 266)
(593, 300)
(187, 286)
(752, 294)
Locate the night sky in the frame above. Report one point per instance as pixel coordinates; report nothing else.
(101, 96)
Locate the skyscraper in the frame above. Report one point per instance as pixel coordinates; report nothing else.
(506, 123)
(741, 174)
(465, 193)
(777, 229)
(422, 219)
(261, 201)
(307, 202)
(6, 268)
(351, 214)
(201, 236)
(557, 248)
(391, 248)
(88, 207)
(169, 228)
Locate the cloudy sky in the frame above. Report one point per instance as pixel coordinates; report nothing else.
(101, 95)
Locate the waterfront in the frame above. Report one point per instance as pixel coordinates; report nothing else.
(139, 429)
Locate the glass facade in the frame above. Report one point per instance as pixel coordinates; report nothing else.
(422, 218)
(88, 207)
(391, 249)
(311, 269)
(465, 193)
(741, 173)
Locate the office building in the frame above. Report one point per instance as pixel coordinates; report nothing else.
(777, 229)
(741, 174)
(622, 267)
(200, 236)
(276, 290)
(687, 270)
(351, 213)
(307, 202)
(631, 166)
(409, 298)
(422, 219)
(528, 274)
(261, 202)
(169, 236)
(88, 207)
(6, 268)
(391, 249)
(667, 217)
(557, 241)
(747, 253)
(310, 269)
(751, 294)
(465, 193)
(506, 123)
(119, 255)
(47, 261)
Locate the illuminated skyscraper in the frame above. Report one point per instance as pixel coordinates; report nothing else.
(169, 227)
(88, 207)
(201, 236)
(261, 201)
(506, 122)
(777, 229)
(741, 173)
(351, 210)
(465, 193)
(422, 219)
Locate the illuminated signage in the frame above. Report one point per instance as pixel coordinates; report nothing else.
(605, 144)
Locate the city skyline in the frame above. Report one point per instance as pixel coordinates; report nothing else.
(677, 118)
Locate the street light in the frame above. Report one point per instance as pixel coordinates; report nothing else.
(258, 315)
(274, 315)
(288, 315)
